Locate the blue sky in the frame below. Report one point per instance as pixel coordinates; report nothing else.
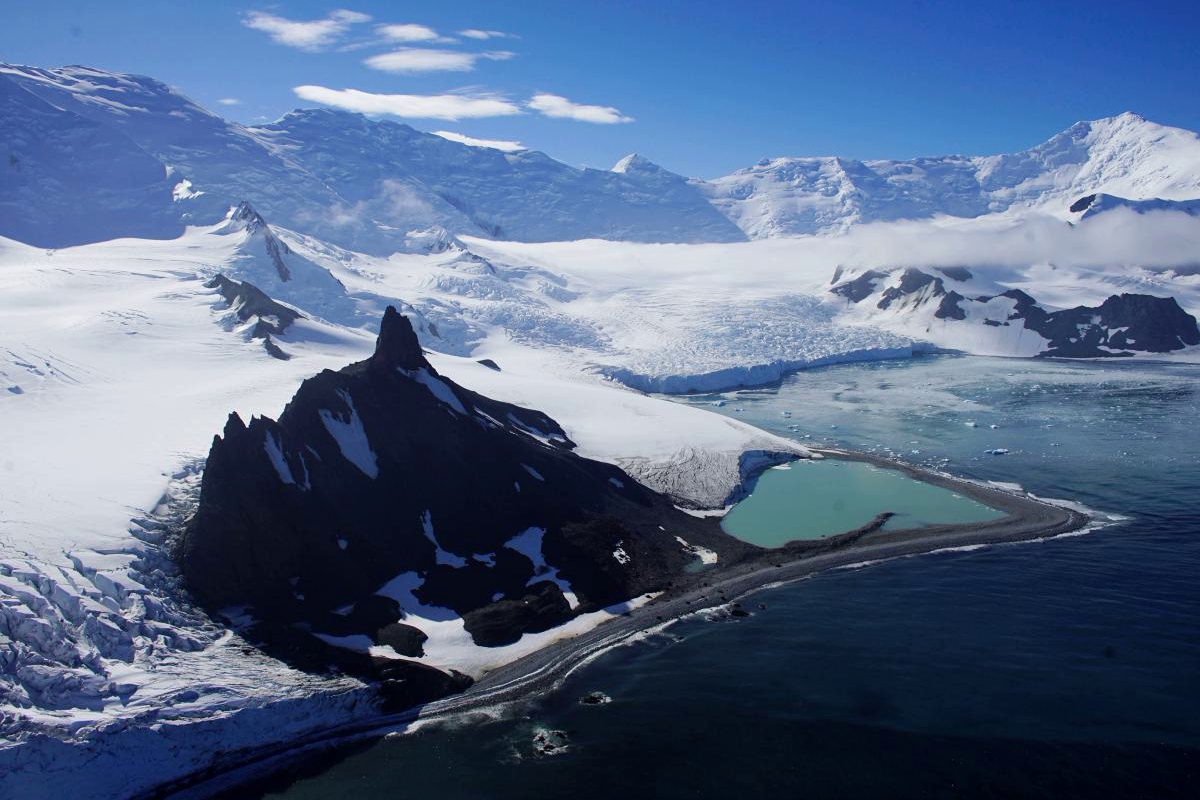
(701, 87)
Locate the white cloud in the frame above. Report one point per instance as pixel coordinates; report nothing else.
(475, 33)
(1117, 240)
(451, 107)
(305, 34)
(417, 59)
(229, 101)
(552, 105)
(496, 144)
(409, 32)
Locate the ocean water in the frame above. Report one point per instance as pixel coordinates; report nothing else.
(1067, 668)
(813, 499)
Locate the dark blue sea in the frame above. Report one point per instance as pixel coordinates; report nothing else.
(1067, 668)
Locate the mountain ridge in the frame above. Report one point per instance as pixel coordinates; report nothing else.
(363, 183)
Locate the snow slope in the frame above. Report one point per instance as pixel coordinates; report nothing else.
(54, 162)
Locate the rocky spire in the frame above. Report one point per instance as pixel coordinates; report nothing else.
(397, 346)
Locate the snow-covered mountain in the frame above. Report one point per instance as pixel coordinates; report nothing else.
(128, 155)
(65, 179)
(347, 179)
(1124, 155)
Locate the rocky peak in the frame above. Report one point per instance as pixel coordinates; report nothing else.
(244, 217)
(432, 241)
(635, 163)
(397, 346)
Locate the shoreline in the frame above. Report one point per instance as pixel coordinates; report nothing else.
(1026, 519)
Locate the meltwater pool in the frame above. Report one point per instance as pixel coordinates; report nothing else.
(811, 499)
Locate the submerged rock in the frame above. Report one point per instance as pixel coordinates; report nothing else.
(550, 742)
(595, 699)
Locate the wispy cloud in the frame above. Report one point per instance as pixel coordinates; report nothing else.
(410, 32)
(452, 107)
(476, 33)
(229, 101)
(496, 144)
(552, 105)
(418, 59)
(311, 35)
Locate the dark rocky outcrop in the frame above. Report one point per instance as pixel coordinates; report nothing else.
(249, 302)
(949, 307)
(859, 288)
(1117, 327)
(1082, 204)
(912, 281)
(384, 484)
(1120, 326)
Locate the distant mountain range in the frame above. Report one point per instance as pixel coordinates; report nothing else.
(1126, 156)
(88, 155)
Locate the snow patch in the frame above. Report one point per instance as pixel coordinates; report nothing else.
(529, 544)
(351, 438)
(705, 555)
(441, 555)
(450, 646)
(437, 387)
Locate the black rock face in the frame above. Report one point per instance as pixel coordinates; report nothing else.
(1082, 203)
(912, 281)
(1158, 324)
(860, 288)
(949, 307)
(1122, 323)
(387, 471)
